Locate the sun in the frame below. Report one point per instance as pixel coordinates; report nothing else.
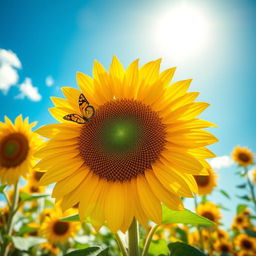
(182, 31)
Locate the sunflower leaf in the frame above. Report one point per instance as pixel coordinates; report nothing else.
(184, 217)
(181, 249)
(24, 243)
(224, 193)
(241, 185)
(250, 232)
(158, 246)
(71, 218)
(2, 187)
(240, 208)
(91, 251)
(27, 197)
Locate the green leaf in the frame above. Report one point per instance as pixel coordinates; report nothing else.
(184, 217)
(181, 249)
(241, 185)
(2, 187)
(250, 232)
(27, 197)
(158, 246)
(224, 193)
(71, 218)
(181, 235)
(240, 208)
(91, 251)
(223, 207)
(245, 197)
(24, 244)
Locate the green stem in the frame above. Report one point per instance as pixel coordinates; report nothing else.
(133, 239)
(6, 244)
(250, 185)
(149, 239)
(201, 241)
(121, 245)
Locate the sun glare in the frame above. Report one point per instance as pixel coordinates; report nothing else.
(182, 31)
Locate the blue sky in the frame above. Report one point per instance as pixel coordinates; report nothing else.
(59, 38)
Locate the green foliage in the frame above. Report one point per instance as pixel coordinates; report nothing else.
(71, 218)
(24, 244)
(158, 246)
(181, 249)
(250, 232)
(27, 197)
(91, 251)
(241, 185)
(184, 217)
(2, 187)
(224, 193)
(240, 208)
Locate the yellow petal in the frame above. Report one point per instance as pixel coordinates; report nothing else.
(170, 199)
(114, 208)
(149, 201)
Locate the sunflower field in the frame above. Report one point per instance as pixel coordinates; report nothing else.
(125, 153)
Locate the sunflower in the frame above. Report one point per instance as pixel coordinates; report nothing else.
(35, 176)
(245, 243)
(223, 247)
(32, 188)
(206, 183)
(240, 222)
(141, 147)
(243, 156)
(56, 230)
(210, 211)
(17, 146)
(220, 234)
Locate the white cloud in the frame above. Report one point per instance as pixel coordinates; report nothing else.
(8, 74)
(10, 58)
(8, 77)
(49, 81)
(221, 162)
(28, 90)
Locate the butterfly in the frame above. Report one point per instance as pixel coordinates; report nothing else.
(86, 110)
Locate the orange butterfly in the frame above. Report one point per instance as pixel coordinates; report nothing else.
(86, 110)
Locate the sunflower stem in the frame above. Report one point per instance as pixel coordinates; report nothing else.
(6, 242)
(199, 228)
(149, 239)
(121, 245)
(250, 185)
(133, 239)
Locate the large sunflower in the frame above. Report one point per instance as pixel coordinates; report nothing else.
(17, 146)
(206, 183)
(142, 146)
(242, 155)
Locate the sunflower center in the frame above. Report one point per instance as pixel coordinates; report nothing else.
(13, 150)
(209, 216)
(224, 248)
(60, 227)
(244, 157)
(122, 140)
(38, 175)
(202, 181)
(239, 219)
(246, 244)
(120, 135)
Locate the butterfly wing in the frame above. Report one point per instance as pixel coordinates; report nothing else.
(75, 118)
(86, 110)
